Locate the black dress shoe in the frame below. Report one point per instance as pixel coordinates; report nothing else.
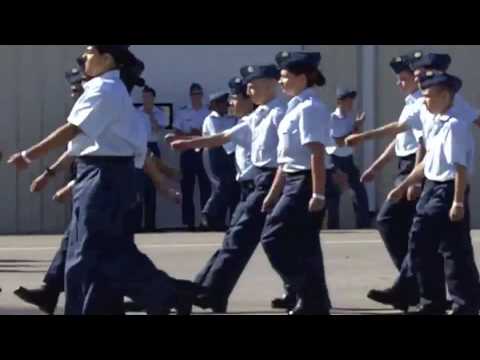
(205, 301)
(131, 306)
(430, 310)
(465, 310)
(44, 298)
(287, 301)
(392, 298)
(186, 292)
(303, 308)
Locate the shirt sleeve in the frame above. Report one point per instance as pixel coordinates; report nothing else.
(178, 121)
(277, 116)
(314, 125)
(93, 113)
(161, 118)
(238, 133)
(410, 116)
(458, 144)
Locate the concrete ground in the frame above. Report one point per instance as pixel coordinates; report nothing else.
(356, 261)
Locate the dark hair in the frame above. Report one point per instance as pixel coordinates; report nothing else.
(148, 89)
(313, 74)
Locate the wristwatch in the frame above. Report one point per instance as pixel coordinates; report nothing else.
(50, 172)
(318, 196)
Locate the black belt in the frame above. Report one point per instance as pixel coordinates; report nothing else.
(247, 184)
(440, 182)
(266, 169)
(104, 159)
(302, 172)
(408, 157)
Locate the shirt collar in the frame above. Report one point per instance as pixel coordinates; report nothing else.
(413, 97)
(109, 75)
(269, 106)
(304, 95)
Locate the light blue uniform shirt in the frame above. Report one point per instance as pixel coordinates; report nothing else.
(215, 124)
(263, 123)
(307, 121)
(160, 118)
(341, 125)
(243, 147)
(448, 142)
(189, 119)
(108, 120)
(406, 143)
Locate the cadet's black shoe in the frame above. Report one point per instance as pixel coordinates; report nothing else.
(44, 298)
(204, 301)
(391, 297)
(301, 308)
(186, 292)
(287, 301)
(465, 310)
(131, 306)
(430, 310)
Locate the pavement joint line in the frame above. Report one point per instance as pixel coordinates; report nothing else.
(158, 246)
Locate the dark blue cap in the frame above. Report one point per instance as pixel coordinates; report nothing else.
(237, 86)
(120, 53)
(344, 93)
(440, 62)
(254, 72)
(400, 63)
(221, 95)
(195, 87)
(288, 60)
(431, 78)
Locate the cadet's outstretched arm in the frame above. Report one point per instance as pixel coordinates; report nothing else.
(416, 176)
(391, 129)
(58, 138)
(201, 142)
(387, 155)
(158, 180)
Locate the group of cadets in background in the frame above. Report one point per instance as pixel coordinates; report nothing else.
(270, 167)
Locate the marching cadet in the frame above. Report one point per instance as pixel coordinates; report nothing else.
(105, 140)
(242, 238)
(297, 197)
(220, 166)
(440, 225)
(343, 124)
(189, 122)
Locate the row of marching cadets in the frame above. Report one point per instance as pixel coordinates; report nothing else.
(425, 220)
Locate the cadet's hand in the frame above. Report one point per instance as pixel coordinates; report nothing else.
(268, 204)
(397, 194)
(180, 145)
(175, 196)
(39, 183)
(64, 193)
(360, 118)
(457, 212)
(354, 140)
(169, 138)
(316, 204)
(18, 161)
(368, 175)
(414, 192)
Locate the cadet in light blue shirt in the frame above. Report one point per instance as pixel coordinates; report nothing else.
(441, 222)
(105, 138)
(297, 197)
(243, 236)
(342, 124)
(220, 166)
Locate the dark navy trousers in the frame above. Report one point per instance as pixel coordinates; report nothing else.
(103, 262)
(150, 195)
(191, 165)
(225, 267)
(292, 243)
(360, 204)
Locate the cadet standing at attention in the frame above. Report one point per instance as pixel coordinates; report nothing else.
(189, 122)
(343, 123)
